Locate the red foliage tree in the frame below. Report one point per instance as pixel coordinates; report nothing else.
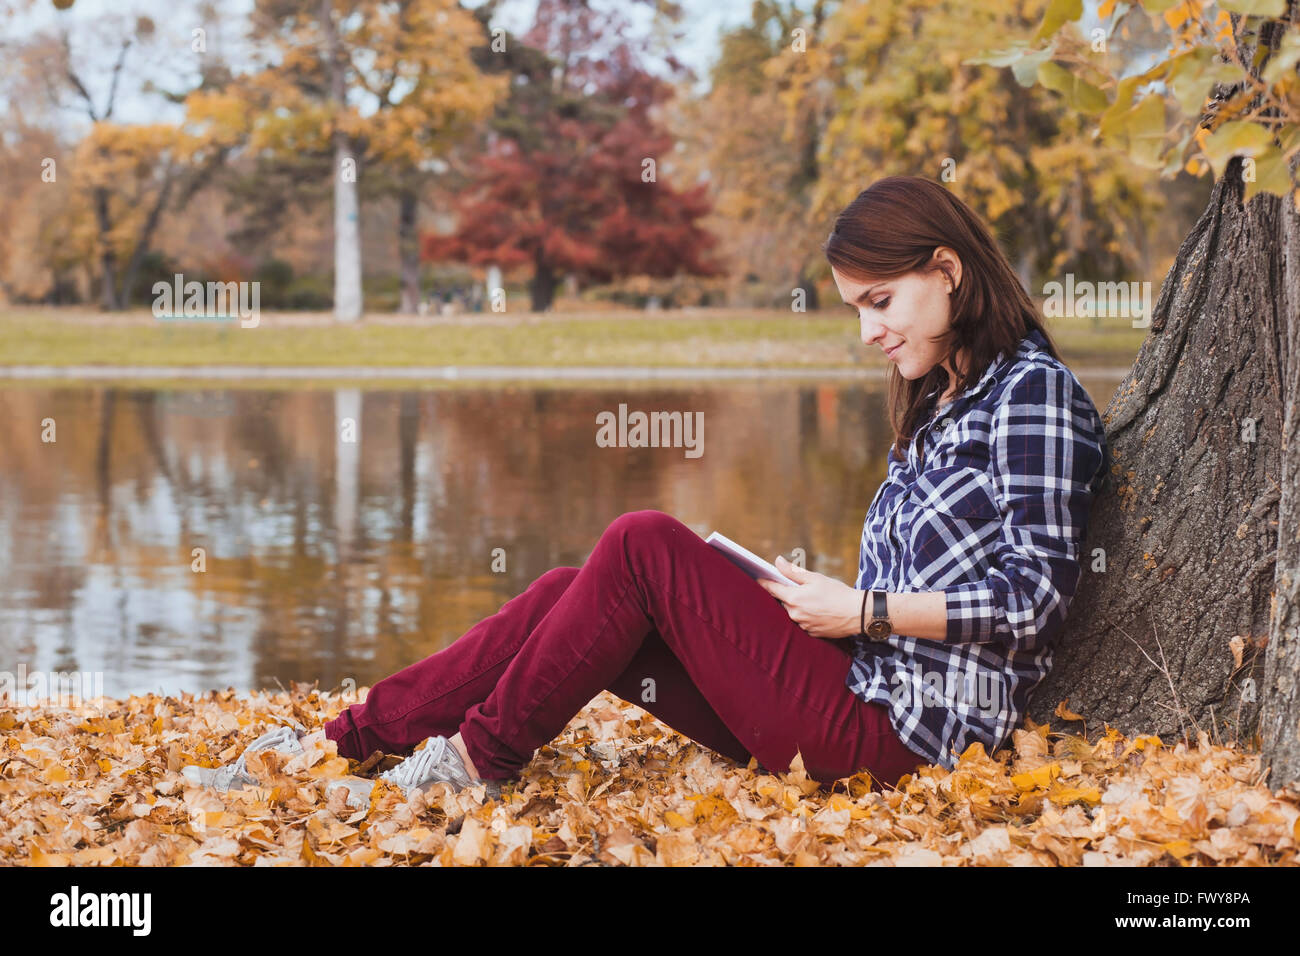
(570, 181)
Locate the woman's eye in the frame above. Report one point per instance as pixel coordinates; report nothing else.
(883, 303)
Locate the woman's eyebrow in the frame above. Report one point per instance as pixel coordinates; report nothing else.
(862, 296)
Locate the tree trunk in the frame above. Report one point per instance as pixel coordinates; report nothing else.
(542, 288)
(408, 250)
(347, 233)
(347, 209)
(1280, 719)
(1178, 565)
(145, 240)
(108, 299)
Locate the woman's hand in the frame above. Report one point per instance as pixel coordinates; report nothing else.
(822, 606)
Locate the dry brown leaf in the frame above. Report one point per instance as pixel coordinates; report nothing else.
(616, 788)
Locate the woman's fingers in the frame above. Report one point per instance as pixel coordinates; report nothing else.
(776, 589)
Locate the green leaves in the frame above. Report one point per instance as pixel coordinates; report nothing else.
(1271, 174)
(1235, 138)
(1057, 14)
(1284, 58)
(1024, 62)
(1078, 93)
(1268, 173)
(1187, 76)
(1194, 74)
(1253, 8)
(1139, 130)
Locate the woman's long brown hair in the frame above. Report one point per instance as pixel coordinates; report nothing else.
(893, 228)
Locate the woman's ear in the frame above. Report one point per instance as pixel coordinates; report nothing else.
(950, 263)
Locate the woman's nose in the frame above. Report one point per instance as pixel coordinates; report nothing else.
(871, 330)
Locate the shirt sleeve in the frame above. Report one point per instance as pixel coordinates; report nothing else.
(1048, 450)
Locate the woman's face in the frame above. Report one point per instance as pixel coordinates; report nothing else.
(901, 316)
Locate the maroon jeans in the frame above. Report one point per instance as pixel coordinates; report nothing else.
(660, 619)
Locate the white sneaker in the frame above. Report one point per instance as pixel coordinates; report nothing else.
(235, 776)
(437, 762)
(358, 788)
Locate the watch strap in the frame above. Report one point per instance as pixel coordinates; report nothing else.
(881, 626)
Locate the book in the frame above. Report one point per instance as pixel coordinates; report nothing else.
(747, 560)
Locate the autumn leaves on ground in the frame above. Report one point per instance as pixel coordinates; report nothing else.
(104, 787)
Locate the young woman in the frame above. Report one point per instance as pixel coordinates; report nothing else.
(970, 556)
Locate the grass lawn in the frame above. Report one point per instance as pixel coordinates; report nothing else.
(726, 338)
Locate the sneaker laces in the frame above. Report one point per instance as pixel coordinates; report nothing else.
(438, 760)
(276, 739)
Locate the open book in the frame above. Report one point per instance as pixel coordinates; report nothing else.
(747, 560)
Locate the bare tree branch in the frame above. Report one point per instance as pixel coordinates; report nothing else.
(117, 72)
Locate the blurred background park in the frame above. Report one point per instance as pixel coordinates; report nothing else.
(623, 202)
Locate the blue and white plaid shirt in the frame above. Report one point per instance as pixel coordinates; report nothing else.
(993, 514)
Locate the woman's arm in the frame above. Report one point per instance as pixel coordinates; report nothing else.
(825, 607)
(1046, 450)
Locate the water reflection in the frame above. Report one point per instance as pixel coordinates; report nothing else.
(345, 533)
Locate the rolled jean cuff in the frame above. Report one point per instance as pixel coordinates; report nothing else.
(342, 730)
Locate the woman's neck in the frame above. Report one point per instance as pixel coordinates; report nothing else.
(951, 391)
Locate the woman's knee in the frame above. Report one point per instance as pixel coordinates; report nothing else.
(557, 578)
(551, 584)
(644, 523)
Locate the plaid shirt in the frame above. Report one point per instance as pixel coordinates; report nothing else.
(992, 512)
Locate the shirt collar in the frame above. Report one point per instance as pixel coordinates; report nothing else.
(1032, 342)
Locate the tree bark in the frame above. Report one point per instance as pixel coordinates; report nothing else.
(1187, 525)
(1280, 719)
(1195, 623)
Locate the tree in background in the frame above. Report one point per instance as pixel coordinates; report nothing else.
(384, 85)
(120, 177)
(573, 180)
(760, 148)
(37, 258)
(1188, 612)
(808, 107)
(429, 96)
(910, 98)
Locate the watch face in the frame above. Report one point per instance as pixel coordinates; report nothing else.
(878, 630)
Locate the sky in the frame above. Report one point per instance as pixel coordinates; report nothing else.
(174, 66)
(701, 27)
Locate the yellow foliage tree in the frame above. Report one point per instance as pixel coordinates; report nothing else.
(910, 98)
(386, 86)
(1218, 89)
(119, 177)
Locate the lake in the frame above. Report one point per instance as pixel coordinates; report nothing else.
(188, 540)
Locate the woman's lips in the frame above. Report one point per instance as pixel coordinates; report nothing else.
(890, 353)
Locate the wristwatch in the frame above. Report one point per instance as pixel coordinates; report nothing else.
(880, 627)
